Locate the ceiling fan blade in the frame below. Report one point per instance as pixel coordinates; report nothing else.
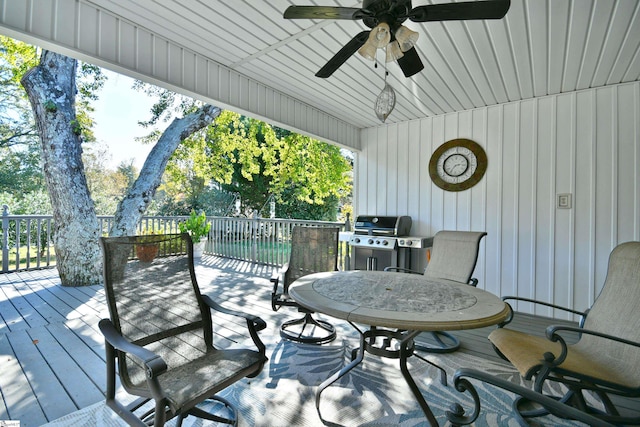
(323, 12)
(343, 54)
(410, 63)
(489, 9)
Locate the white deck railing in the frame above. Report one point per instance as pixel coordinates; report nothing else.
(27, 239)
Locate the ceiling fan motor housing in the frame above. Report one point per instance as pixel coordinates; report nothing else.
(393, 12)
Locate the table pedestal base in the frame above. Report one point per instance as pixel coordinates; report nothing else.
(405, 350)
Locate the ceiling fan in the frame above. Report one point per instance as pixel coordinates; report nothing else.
(385, 18)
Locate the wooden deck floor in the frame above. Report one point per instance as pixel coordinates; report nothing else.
(52, 354)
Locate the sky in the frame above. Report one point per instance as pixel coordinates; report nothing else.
(117, 112)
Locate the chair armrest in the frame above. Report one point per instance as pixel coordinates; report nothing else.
(255, 321)
(277, 275)
(401, 269)
(457, 414)
(552, 334)
(581, 313)
(154, 363)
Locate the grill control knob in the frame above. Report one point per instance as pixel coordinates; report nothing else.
(370, 241)
(409, 242)
(385, 242)
(401, 242)
(356, 240)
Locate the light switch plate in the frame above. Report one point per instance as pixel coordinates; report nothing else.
(564, 201)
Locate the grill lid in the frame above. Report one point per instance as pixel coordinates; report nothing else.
(382, 225)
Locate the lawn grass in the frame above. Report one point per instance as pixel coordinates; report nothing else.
(267, 252)
(35, 259)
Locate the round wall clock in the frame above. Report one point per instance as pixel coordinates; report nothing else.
(458, 165)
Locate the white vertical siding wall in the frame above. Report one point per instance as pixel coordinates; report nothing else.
(586, 143)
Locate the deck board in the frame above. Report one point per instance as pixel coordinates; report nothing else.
(20, 400)
(8, 314)
(78, 386)
(46, 312)
(56, 297)
(86, 330)
(43, 380)
(65, 369)
(91, 364)
(22, 299)
(14, 309)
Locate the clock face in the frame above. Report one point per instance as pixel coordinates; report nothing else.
(457, 165)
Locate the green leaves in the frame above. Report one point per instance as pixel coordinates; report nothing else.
(256, 159)
(196, 225)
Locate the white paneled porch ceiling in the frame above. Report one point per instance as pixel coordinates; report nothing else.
(541, 47)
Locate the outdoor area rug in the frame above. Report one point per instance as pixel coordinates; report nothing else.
(372, 394)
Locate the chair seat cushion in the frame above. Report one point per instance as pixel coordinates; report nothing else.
(215, 371)
(526, 352)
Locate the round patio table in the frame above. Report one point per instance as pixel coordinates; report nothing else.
(396, 307)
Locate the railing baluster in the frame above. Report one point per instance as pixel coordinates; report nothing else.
(18, 222)
(5, 238)
(261, 240)
(38, 241)
(28, 243)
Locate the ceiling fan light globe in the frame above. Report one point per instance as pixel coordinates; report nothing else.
(368, 51)
(406, 38)
(393, 52)
(380, 36)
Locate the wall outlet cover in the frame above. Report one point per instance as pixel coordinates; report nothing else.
(564, 201)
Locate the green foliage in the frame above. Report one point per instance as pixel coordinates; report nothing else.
(249, 157)
(150, 234)
(32, 203)
(309, 211)
(17, 126)
(167, 104)
(16, 58)
(76, 127)
(106, 186)
(20, 170)
(50, 106)
(210, 199)
(256, 160)
(196, 225)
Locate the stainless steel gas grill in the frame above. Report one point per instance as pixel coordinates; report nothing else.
(382, 241)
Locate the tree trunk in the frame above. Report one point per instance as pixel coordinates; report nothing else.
(51, 87)
(135, 203)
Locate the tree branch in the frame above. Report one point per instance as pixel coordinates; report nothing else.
(135, 203)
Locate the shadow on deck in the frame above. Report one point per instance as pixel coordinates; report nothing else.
(52, 353)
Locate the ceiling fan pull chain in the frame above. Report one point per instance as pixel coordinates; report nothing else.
(386, 73)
